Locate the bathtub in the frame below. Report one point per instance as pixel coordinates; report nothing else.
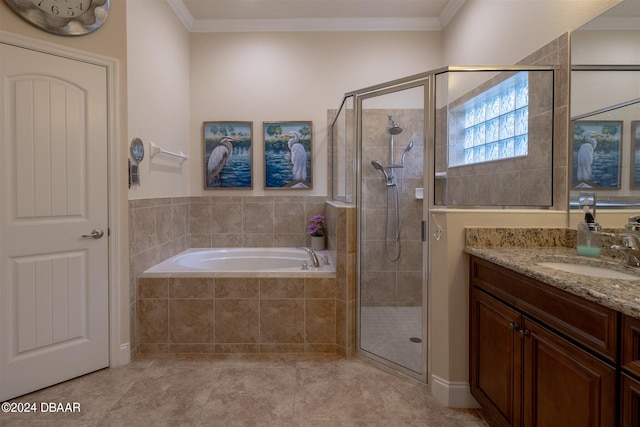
(249, 261)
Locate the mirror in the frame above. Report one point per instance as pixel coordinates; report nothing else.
(605, 108)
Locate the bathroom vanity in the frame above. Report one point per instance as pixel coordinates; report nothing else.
(549, 347)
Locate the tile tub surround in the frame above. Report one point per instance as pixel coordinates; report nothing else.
(252, 221)
(162, 227)
(236, 315)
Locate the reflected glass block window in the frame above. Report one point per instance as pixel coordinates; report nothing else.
(496, 123)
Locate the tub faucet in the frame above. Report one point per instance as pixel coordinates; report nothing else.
(312, 255)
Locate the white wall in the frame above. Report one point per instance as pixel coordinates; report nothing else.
(502, 32)
(285, 76)
(297, 76)
(158, 95)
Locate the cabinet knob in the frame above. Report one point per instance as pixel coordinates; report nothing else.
(524, 333)
(514, 325)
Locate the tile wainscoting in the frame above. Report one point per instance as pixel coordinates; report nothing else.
(161, 228)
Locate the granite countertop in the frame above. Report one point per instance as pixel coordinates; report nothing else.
(618, 294)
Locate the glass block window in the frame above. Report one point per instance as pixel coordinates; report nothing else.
(496, 124)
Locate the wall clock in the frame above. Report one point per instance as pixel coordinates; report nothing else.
(63, 17)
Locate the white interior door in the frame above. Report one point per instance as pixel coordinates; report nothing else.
(54, 299)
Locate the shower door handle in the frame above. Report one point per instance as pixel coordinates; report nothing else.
(423, 230)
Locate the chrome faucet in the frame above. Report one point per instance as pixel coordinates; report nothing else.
(630, 248)
(312, 255)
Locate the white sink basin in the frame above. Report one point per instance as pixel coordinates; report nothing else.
(588, 270)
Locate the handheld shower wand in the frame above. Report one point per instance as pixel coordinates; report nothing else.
(404, 153)
(387, 178)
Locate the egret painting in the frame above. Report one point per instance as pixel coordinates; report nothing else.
(288, 155)
(635, 151)
(227, 154)
(596, 154)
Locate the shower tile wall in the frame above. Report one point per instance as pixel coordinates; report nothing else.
(341, 240)
(482, 184)
(386, 283)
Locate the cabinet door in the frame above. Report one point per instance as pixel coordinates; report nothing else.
(630, 401)
(564, 385)
(631, 344)
(496, 352)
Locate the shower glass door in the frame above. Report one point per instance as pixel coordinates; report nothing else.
(390, 207)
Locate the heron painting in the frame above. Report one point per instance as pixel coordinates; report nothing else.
(635, 154)
(288, 154)
(227, 154)
(596, 154)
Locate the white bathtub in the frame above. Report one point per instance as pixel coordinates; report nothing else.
(250, 261)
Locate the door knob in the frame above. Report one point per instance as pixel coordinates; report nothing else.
(96, 234)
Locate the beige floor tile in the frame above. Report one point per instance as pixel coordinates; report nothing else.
(252, 394)
(243, 391)
(166, 394)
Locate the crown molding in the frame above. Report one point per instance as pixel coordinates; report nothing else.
(451, 8)
(182, 12)
(315, 24)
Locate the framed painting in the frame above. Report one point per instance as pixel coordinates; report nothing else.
(596, 154)
(635, 154)
(227, 155)
(288, 155)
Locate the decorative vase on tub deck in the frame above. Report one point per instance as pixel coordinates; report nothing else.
(317, 243)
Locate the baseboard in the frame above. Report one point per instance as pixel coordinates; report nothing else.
(124, 355)
(452, 394)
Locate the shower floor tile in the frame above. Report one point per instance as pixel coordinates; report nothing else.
(387, 332)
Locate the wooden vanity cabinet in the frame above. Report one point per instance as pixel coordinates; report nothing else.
(529, 365)
(630, 382)
(630, 401)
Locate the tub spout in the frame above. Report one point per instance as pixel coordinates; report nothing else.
(312, 255)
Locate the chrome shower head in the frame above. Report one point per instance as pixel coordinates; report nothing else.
(394, 129)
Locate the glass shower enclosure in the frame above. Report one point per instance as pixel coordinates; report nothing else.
(378, 163)
(461, 137)
(390, 238)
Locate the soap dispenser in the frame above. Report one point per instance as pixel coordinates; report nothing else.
(589, 240)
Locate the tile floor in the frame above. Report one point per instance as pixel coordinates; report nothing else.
(311, 391)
